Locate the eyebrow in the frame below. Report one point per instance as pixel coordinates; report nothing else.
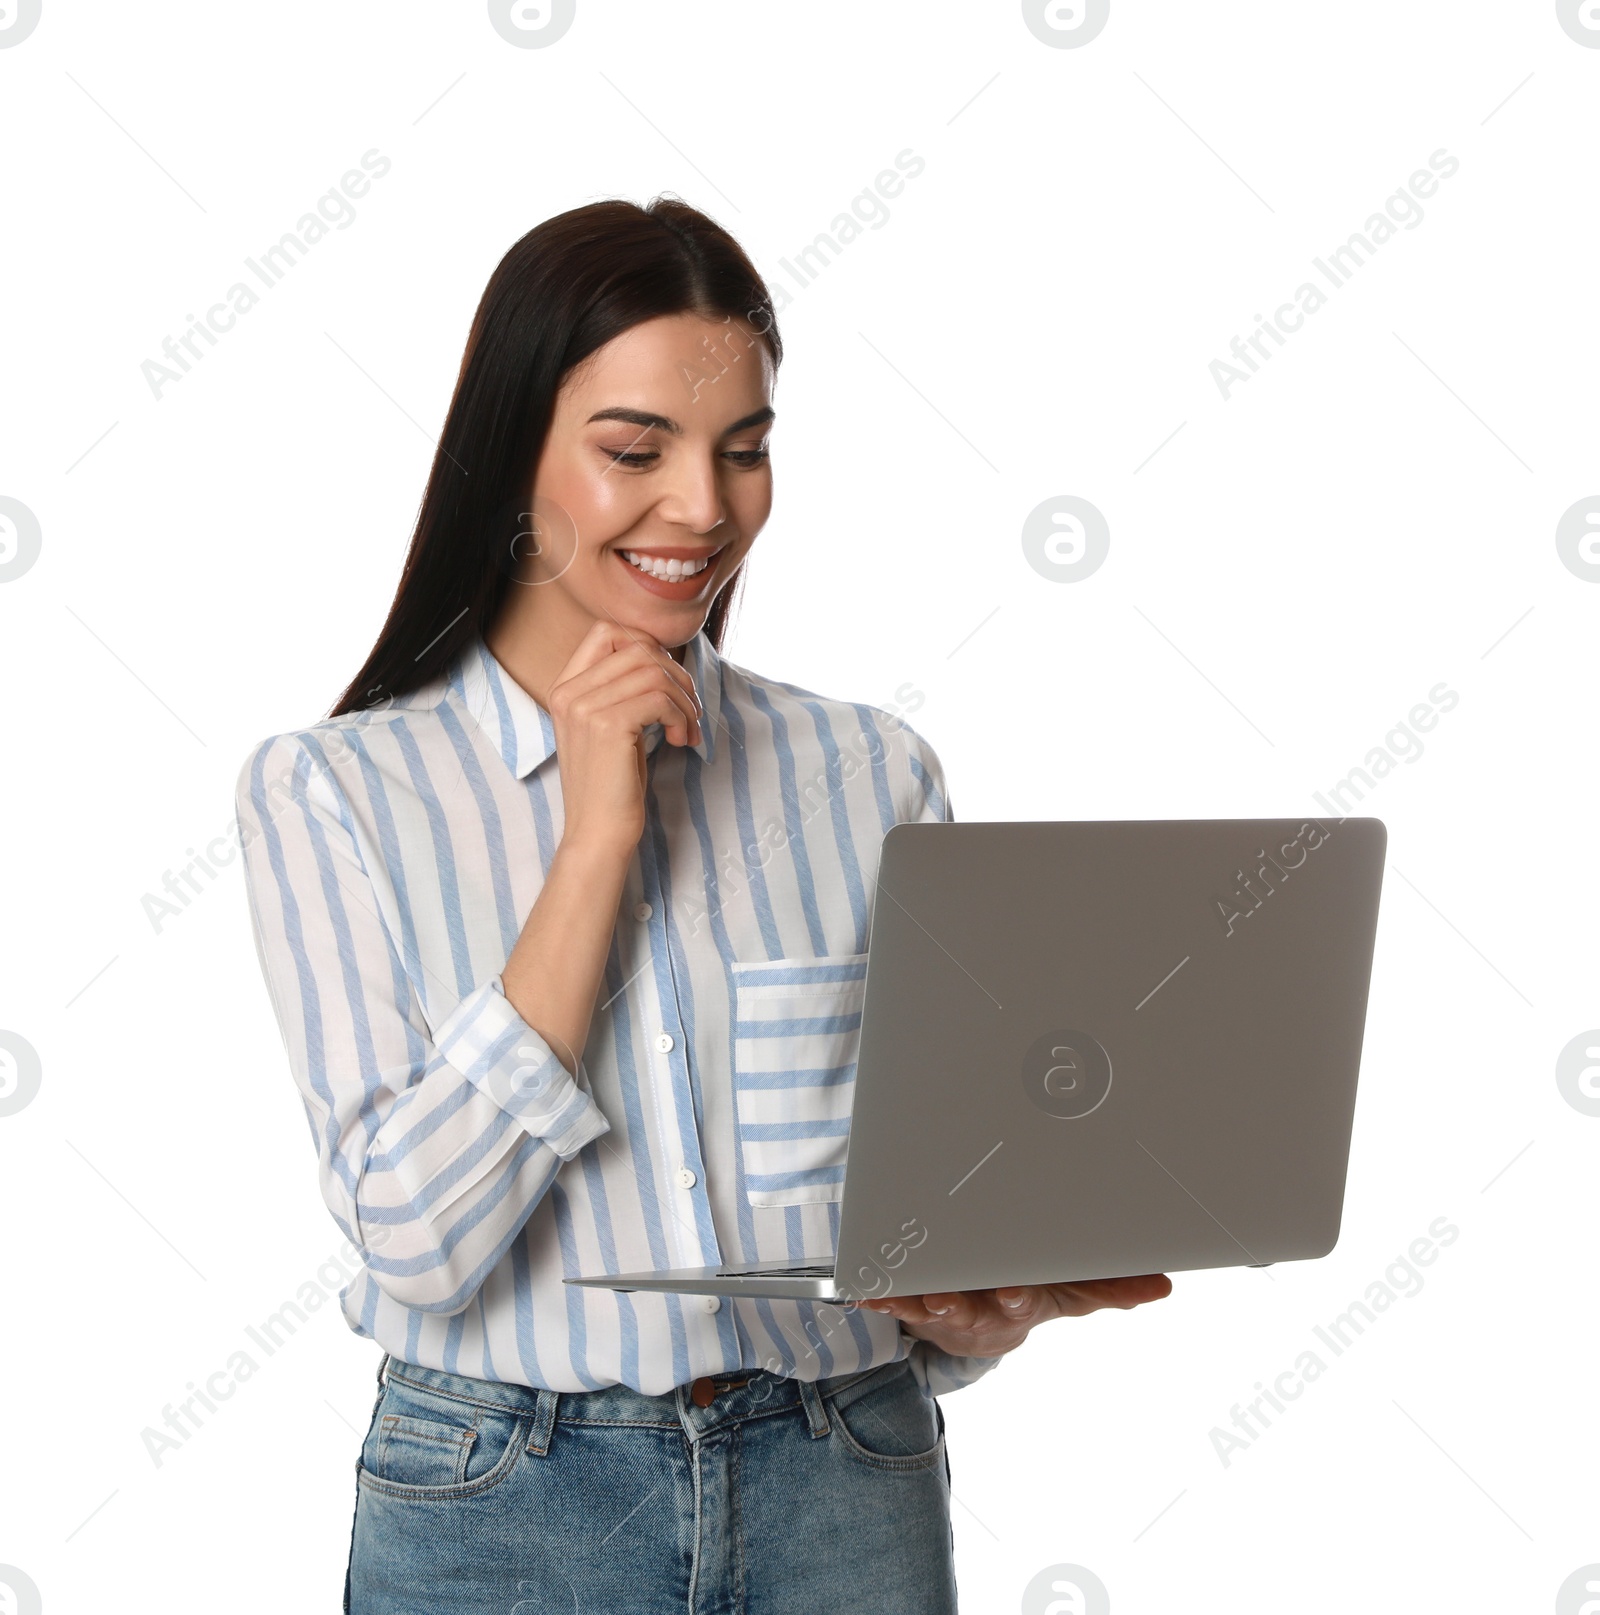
(644, 417)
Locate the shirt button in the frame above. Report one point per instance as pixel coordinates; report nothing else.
(642, 911)
(686, 1178)
(664, 1042)
(711, 1303)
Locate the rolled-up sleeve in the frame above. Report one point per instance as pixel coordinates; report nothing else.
(491, 1045)
(938, 1373)
(434, 1145)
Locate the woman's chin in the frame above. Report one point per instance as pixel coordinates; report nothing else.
(669, 625)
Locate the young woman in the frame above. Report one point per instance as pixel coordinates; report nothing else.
(551, 908)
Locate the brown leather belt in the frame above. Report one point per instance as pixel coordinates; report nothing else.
(704, 1391)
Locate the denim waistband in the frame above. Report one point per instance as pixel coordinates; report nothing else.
(760, 1395)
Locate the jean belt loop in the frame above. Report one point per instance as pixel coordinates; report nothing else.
(544, 1422)
(816, 1414)
(382, 1365)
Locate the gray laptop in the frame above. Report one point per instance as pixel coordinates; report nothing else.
(1096, 1049)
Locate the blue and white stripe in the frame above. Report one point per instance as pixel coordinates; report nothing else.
(392, 857)
(795, 1033)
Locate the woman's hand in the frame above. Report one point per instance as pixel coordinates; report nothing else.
(989, 1323)
(615, 686)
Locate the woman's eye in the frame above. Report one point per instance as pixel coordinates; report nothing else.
(745, 459)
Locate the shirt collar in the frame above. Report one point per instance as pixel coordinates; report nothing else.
(521, 728)
(704, 666)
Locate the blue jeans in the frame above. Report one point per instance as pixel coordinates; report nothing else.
(777, 1497)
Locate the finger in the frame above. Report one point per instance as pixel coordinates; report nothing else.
(1022, 1303)
(956, 1309)
(645, 654)
(682, 719)
(1151, 1287)
(1077, 1300)
(609, 639)
(623, 678)
(638, 712)
(914, 1309)
(602, 640)
(682, 689)
(607, 653)
(653, 652)
(678, 671)
(1133, 1291)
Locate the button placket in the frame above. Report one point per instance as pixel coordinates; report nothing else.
(670, 1051)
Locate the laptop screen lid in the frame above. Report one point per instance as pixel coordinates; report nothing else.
(1093, 1049)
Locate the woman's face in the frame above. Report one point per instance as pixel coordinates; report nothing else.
(654, 480)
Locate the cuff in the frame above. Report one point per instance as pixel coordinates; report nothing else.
(491, 1045)
(938, 1373)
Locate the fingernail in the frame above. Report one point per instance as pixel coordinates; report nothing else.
(938, 1312)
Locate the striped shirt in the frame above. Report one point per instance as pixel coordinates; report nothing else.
(391, 859)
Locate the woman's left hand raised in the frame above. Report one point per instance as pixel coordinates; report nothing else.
(988, 1323)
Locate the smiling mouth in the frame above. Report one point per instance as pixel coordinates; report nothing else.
(666, 569)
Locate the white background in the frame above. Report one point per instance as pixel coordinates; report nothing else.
(1373, 513)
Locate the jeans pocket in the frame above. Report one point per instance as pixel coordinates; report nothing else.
(885, 1419)
(425, 1444)
(797, 1030)
(422, 1452)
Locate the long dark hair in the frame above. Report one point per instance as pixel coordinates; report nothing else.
(565, 289)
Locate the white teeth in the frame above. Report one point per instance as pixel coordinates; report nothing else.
(666, 571)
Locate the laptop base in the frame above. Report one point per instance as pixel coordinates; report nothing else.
(806, 1282)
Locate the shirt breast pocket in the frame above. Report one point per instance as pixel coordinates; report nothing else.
(797, 1029)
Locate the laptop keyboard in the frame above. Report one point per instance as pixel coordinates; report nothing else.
(776, 1272)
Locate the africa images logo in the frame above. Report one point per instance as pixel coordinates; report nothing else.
(1578, 535)
(20, 541)
(1066, 1590)
(1065, 24)
(21, 1076)
(19, 1593)
(1067, 1074)
(18, 19)
(531, 24)
(1581, 21)
(1065, 539)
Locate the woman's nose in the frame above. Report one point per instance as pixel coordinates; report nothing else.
(694, 499)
